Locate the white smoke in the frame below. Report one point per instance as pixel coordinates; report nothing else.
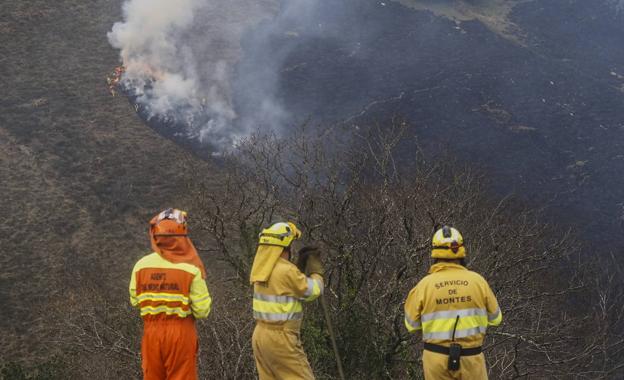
(179, 58)
(618, 5)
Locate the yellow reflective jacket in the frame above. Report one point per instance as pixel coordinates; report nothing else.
(452, 298)
(278, 301)
(162, 289)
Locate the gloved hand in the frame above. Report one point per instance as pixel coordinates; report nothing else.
(314, 264)
(303, 254)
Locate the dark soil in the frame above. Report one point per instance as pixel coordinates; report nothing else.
(545, 120)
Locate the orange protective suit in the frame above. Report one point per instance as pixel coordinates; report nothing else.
(169, 288)
(169, 349)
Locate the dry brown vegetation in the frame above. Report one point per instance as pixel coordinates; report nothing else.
(80, 175)
(374, 216)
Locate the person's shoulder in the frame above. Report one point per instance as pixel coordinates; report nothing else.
(154, 260)
(476, 276)
(427, 278)
(425, 281)
(284, 272)
(289, 267)
(285, 267)
(150, 257)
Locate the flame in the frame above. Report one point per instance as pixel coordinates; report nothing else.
(136, 68)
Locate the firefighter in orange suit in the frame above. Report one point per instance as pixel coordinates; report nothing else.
(279, 289)
(169, 288)
(453, 308)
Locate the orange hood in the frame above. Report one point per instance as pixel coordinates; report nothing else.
(175, 249)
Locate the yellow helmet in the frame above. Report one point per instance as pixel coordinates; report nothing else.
(280, 234)
(448, 243)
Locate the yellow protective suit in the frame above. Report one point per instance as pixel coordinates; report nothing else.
(452, 299)
(278, 312)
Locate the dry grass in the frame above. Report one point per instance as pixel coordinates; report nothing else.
(79, 177)
(80, 174)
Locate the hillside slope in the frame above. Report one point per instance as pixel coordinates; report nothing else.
(80, 174)
(531, 91)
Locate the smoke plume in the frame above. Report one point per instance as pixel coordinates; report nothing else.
(618, 5)
(179, 58)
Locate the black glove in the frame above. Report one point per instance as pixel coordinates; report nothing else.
(303, 254)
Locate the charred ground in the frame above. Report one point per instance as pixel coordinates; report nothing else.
(538, 103)
(80, 174)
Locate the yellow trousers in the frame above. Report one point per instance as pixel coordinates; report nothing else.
(435, 367)
(279, 354)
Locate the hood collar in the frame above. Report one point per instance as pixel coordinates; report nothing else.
(438, 267)
(175, 249)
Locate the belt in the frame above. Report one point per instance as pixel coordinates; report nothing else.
(445, 350)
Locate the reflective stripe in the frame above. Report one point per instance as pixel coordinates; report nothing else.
(438, 325)
(164, 309)
(412, 325)
(314, 289)
(277, 299)
(310, 288)
(448, 335)
(276, 308)
(167, 297)
(277, 316)
(202, 300)
(494, 315)
(447, 314)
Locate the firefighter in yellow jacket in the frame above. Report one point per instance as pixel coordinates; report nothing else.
(169, 287)
(453, 308)
(280, 287)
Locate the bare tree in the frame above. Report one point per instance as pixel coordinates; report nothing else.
(374, 221)
(372, 213)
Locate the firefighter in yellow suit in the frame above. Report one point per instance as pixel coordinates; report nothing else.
(279, 289)
(452, 306)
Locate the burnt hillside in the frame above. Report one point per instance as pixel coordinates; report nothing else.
(532, 91)
(80, 174)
